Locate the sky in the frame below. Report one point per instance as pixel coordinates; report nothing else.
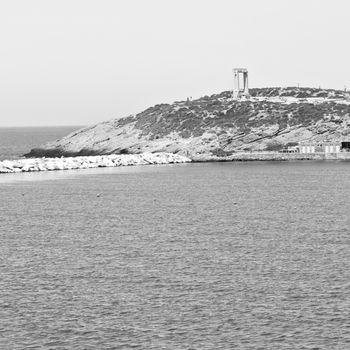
(80, 62)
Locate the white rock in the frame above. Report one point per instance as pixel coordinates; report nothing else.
(113, 160)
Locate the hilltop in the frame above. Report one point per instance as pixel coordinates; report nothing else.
(216, 125)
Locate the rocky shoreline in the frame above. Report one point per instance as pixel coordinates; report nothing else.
(115, 160)
(271, 156)
(69, 163)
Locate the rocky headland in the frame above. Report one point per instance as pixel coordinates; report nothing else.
(86, 162)
(216, 127)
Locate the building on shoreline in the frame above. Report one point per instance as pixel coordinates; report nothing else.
(325, 147)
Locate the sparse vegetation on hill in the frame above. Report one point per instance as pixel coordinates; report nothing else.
(217, 125)
(297, 92)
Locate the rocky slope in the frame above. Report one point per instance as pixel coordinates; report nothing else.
(216, 125)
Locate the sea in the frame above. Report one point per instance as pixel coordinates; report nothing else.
(235, 255)
(16, 141)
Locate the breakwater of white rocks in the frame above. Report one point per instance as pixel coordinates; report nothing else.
(68, 163)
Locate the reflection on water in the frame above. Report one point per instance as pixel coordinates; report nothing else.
(195, 256)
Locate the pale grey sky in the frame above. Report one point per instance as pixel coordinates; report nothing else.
(84, 61)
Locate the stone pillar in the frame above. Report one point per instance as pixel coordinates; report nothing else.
(246, 88)
(235, 84)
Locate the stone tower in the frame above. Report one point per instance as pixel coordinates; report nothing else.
(239, 91)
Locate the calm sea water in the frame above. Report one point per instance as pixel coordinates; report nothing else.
(14, 142)
(195, 256)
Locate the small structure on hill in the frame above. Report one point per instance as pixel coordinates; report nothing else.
(239, 91)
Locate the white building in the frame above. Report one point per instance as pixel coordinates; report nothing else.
(331, 148)
(307, 148)
(324, 147)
